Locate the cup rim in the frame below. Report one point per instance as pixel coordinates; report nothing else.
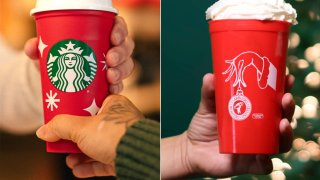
(38, 10)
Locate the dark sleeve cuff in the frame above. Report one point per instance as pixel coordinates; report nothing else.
(138, 153)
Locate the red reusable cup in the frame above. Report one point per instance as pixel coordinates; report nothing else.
(73, 42)
(249, 58)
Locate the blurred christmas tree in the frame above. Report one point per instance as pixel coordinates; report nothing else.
(304, 63)
(303, 160)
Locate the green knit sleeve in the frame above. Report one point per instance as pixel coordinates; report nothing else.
(138, 153)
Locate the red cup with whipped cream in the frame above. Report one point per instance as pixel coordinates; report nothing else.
(74, 37)
(249, 46)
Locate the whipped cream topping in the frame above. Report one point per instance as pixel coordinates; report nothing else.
(51, 5)
(252, 9)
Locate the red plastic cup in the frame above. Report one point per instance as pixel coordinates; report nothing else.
(249, 58)
(72, 49)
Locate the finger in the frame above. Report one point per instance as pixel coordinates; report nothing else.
(119, 31)
(117, 74)
(93, 169)
(116, 88)
(63, 127)
(207, 104)
(250, 163)
(31, 48)
(286, 136)
(289, 82)
(119, 54)
(261, 166)
(288, 106)
(74, 159)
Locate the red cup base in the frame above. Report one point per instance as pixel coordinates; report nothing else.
(63, 147)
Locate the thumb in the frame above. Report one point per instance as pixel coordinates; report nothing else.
(207, 104)
(66, 127)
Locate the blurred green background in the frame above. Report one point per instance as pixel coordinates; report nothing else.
(186, 57)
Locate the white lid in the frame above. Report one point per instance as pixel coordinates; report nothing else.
(252, 9)
(51, 5)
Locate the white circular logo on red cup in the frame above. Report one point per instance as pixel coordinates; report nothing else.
(239, 107)
(72, 65)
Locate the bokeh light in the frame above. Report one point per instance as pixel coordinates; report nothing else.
(317, 65)
(312, 80)
(294, 40)
(309, 111)
(302, 64)
(277, 175)
(297, 112)
(310, 107)
(279, 165)
(306, 150)
(298, 144)
(287, 71)
(310, 100)
(294, 123)
(303, 156)
(312, 53)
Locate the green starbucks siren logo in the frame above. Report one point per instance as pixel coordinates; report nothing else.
(71, 65)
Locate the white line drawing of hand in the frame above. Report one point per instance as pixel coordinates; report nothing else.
(240, 63)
